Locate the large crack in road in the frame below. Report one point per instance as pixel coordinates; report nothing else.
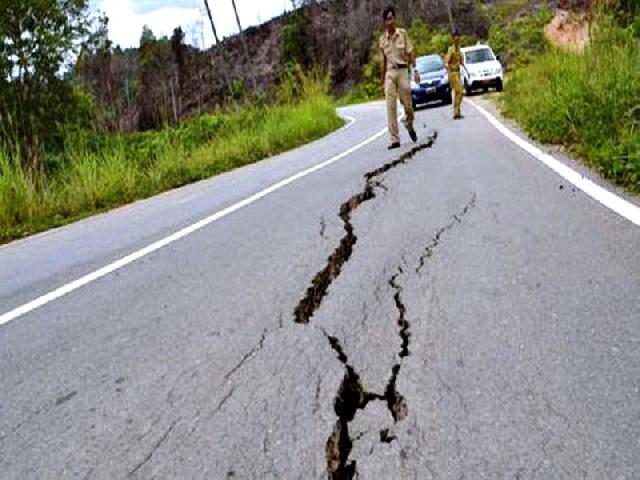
(323, 279)
(351, 395)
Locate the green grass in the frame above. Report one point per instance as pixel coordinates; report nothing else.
(521, 39)
(588, 102)
(99, 171)
(356, 95)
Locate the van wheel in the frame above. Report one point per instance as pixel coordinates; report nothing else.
(467, 88)
(498, 85)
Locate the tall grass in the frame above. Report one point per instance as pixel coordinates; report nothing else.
(99, 171)
(589, 102)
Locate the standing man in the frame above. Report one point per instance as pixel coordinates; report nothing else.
(453, 60)
(396, 52)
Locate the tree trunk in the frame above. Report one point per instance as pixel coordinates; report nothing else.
(174, 103)
(225, 73)
(244, 47)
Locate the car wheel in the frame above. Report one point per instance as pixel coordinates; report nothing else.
(498, 85)
(414, 105)
(467, 88)
(448, 99)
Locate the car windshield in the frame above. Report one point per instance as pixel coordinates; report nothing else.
(429, 64)
(479, 56)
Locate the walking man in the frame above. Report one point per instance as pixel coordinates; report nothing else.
(453, 60)
(397, 54)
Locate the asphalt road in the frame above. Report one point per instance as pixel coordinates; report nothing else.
(454, 309)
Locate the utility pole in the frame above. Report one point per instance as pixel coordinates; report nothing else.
(449, 11)
(225, 73)
(244, 47)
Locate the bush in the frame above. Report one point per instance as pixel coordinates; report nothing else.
(587, 101)
(97, 171)
(520, 40)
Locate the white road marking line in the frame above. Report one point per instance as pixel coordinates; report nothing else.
(610, 200)
(173, 191)
(118, 264)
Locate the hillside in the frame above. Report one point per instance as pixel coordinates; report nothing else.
(336, 35)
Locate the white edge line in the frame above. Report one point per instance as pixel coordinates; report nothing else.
(118, 264)
(610, 200)
(350, 121)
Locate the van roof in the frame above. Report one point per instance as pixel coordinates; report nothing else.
(479, 46)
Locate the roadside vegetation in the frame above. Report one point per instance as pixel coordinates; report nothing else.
(518, 38)
(96, 171)
(588, 101)
(85, 127)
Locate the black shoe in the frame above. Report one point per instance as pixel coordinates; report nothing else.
(458, 117)
(393, 145)
(412, 132)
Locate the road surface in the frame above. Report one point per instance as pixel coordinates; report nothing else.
(454, 309)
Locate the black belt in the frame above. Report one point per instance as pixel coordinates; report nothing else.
(399, 65)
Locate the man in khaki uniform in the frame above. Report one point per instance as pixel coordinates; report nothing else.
(396, 55)
(453, 60)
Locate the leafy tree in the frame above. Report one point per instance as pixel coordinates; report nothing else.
(39, 39)
(154, 99)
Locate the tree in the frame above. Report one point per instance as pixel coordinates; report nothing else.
(154, 80)
(38, 42)
(178, 49)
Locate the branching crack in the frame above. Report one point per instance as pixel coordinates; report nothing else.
(323, 279)
(323, 228)
(153, 450)
(351, 395)
(246, 357)
(386, 437)
(403, 324)
(395, 401)
(455, 219)
(224, 400)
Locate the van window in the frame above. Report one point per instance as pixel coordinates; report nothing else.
(479, 56)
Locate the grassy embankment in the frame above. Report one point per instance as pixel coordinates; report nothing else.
(98, 171)
(588, 101)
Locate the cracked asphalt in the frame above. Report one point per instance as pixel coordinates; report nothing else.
(447, 311)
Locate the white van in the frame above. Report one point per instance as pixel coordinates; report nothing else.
(482, 69)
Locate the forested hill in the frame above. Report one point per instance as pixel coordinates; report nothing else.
(164, 79)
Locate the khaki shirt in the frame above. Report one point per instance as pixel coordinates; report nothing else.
(453, 58)
(397, 48)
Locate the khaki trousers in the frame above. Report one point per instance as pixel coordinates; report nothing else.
(396, 85)
(456, 92)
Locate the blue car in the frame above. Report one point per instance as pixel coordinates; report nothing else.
(434, 81)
